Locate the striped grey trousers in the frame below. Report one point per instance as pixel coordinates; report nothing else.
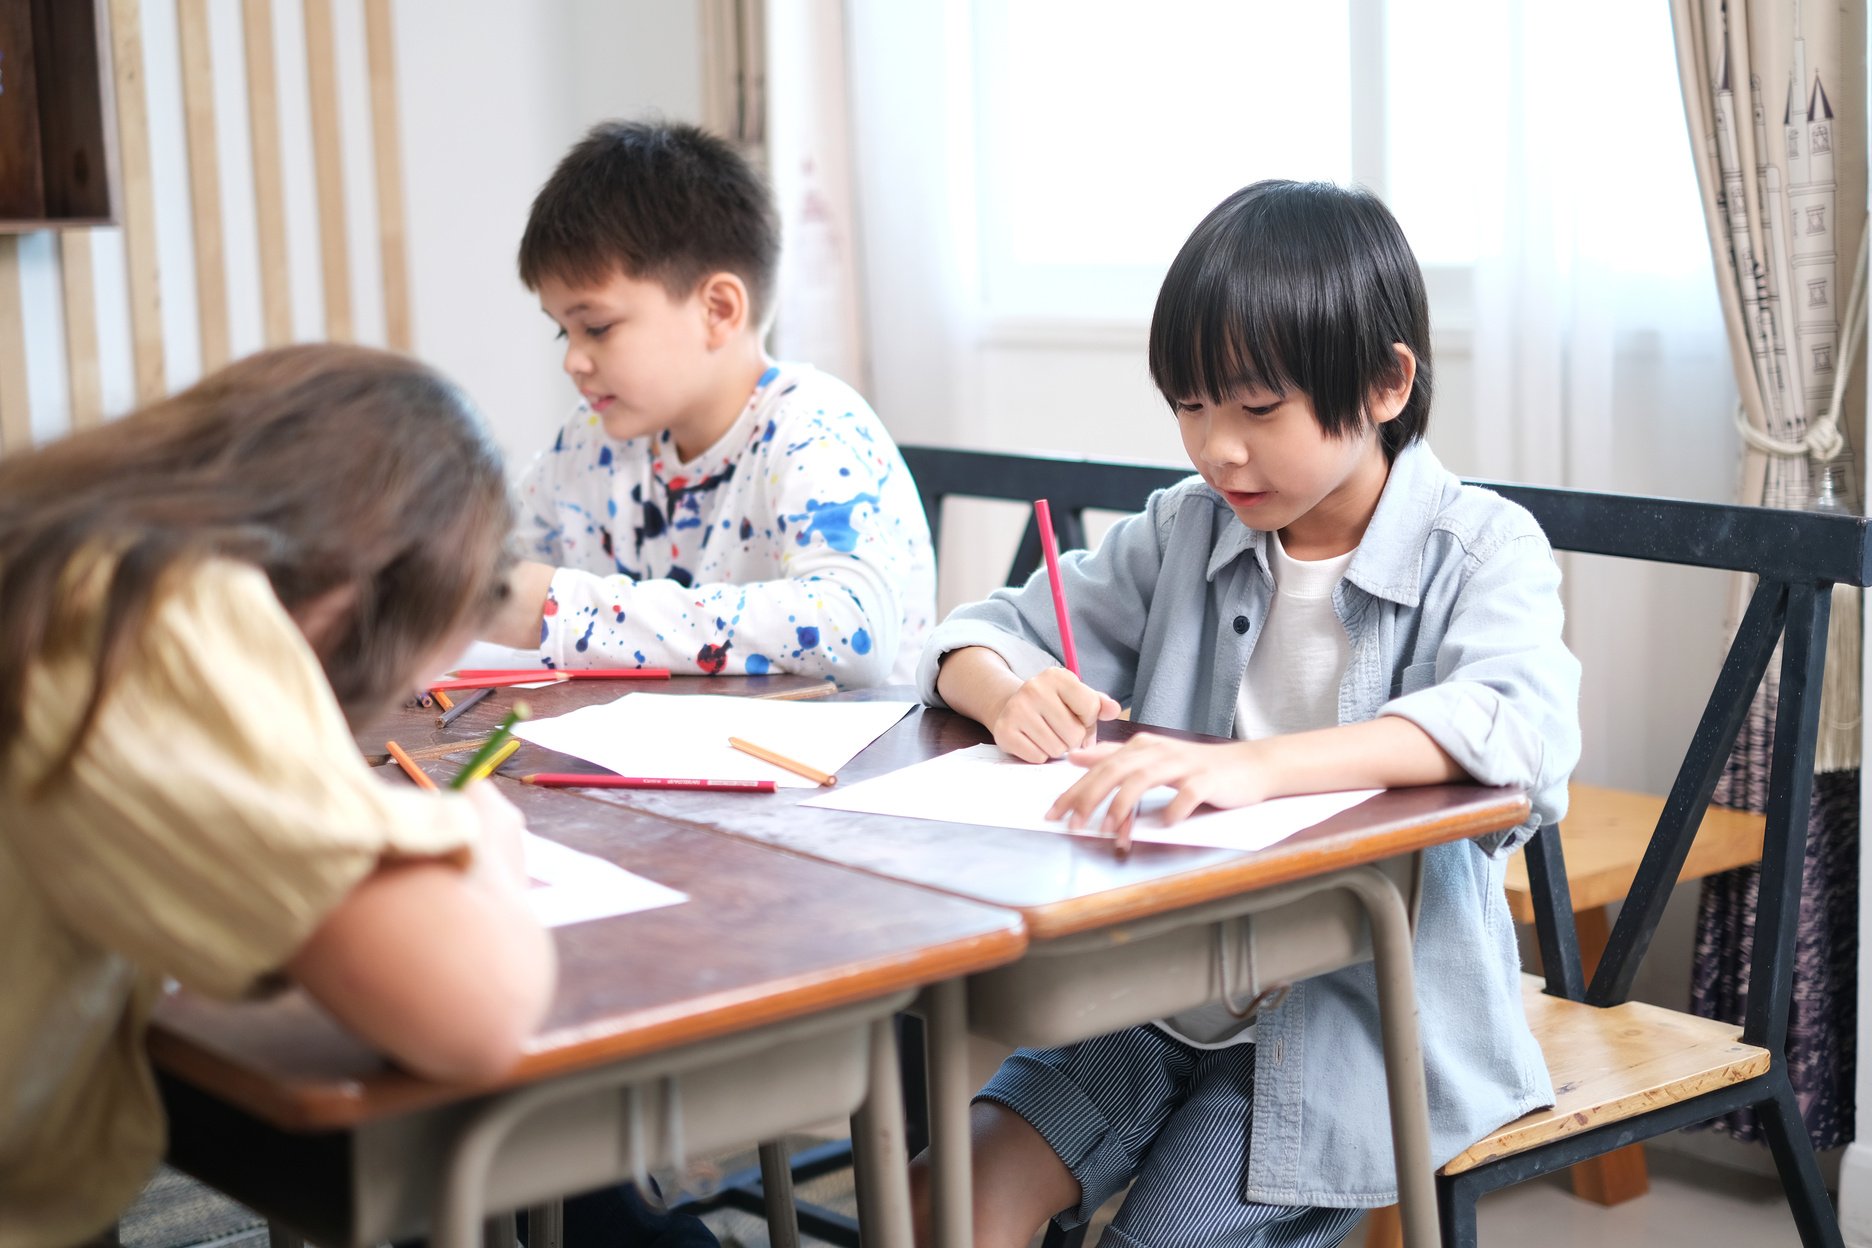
(1172, 1120)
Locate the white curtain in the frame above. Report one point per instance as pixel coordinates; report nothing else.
(1599, 349)
(818, 316)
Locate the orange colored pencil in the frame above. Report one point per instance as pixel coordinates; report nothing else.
(409, 766)
(448, 703)
(782, 761)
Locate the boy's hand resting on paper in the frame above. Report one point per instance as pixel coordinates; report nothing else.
(1220, 774)
(1383, 753)
(1048, 716)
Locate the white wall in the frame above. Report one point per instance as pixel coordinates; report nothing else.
(491, 92)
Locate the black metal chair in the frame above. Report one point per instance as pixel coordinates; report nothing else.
(1071, 486)
(1798, 558)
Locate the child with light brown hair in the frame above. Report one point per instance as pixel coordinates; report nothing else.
(197, 603)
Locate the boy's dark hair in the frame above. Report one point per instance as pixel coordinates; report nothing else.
(658, 202)
(1296, 286)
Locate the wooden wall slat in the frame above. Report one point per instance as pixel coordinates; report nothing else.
(204, 159)
(139, 201)
(263, 126)
(387, 146)
(81, 331)
(328, 168)
(15, 398)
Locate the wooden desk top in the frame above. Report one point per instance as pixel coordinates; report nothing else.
(764, 937)
(415, 729)
(1060, 884)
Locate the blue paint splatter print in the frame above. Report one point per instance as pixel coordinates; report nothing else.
(825, 569)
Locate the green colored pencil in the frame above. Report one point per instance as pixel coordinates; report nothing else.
(491, 747)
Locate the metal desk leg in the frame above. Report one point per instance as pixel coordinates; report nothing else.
(499, 1231)
(1404, 1077)
(776, 1172)
(879, 1158)
(951, 1174)
(546, 1225)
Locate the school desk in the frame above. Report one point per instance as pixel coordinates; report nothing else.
(763, 1005)
(416, 730)
(1115, 943)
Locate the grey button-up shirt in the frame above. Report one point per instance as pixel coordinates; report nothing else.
(1452, 607)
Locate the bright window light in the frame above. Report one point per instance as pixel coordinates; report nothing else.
(1108, 129)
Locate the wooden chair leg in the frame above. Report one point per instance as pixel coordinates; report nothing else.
(1616, 1177)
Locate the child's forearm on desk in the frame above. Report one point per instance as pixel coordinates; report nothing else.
(517, 622)
(976, 682)
(1384, 753)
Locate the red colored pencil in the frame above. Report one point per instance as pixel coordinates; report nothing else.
(1049, 545)
(497, 682)
(590, 673)
(576, 780)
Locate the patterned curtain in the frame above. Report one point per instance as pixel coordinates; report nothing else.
(1781, 155)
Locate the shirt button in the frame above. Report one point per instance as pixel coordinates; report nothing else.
(1241, 625)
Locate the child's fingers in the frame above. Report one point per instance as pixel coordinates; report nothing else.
(1068, 728)
(1021, 746)
(1193, 792)
(1108, 707)
(1080, 799)
(1095, 753)
(1125, 800)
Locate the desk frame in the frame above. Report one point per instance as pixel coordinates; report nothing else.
(1165, 939)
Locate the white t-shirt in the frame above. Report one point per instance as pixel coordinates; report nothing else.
(1291, 685)
(796, 543)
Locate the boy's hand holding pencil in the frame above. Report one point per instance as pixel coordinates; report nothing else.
(1050, 715)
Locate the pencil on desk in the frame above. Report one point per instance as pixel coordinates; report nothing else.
(444, 699)
(782, 761)
(586, 673)
(495, 744)
(500, 682)
(409, 766)
(582, 780)
(423, 699)
(1049, 546)
(474, 698)
(483, 770)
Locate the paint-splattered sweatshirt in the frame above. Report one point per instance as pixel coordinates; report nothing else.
(796, 543)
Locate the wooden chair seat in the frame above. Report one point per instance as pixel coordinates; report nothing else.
(1613, 1063)
(1605, 834)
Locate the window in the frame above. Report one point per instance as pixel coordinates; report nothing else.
(1104, 130)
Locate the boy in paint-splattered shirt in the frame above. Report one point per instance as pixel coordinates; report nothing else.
(706, 509)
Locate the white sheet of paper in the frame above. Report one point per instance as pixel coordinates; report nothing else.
(566, 886)
(686, 735)
(981, 785)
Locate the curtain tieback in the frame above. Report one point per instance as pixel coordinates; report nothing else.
(1823, 440)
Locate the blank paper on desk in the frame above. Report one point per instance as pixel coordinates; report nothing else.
(983, 786)
(667, 734)
(565, 886)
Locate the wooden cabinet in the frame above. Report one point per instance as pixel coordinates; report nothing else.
(57, 145)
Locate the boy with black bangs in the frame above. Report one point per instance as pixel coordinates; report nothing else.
(1325, 592)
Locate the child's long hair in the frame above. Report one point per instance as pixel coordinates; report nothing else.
(324, 466)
